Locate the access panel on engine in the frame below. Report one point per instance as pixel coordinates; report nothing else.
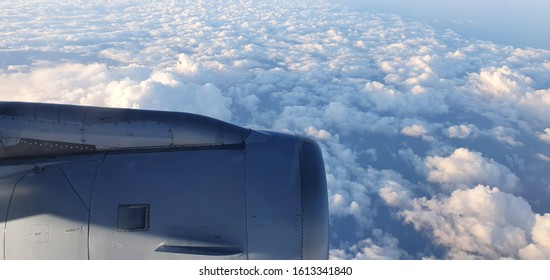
(170, 205)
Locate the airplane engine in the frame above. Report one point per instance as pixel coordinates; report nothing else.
(82, 182)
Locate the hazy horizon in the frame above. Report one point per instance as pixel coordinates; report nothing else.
(518, 23)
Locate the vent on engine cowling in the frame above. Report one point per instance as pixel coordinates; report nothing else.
(133, 217)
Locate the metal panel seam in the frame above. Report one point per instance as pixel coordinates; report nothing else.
(92, 201)
(298, 146)
(8, 211)
(245, 202)
(74, 190)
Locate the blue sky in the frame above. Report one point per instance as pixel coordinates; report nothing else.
(518, 23)
(436, 144)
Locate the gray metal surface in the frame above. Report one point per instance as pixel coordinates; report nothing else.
(101, 183)
(9, 176)
(273, 197)
(46, 219)
(313, 184)
(60, 126)
(196, 198)
(81, 173)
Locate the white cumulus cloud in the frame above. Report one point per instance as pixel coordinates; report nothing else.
(414, 130)
(500, 82)
(481, 222)
(461, 131)
(382, 246)
(464, 168)
(540, 248)
(545, 136)
(96, 84)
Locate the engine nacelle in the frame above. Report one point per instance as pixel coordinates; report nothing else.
(102, 183)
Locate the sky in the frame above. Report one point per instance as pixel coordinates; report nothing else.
(511, 22)
(436, 142)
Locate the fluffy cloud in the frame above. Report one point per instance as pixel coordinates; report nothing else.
(413, 101)
(382, 246)
(394, 194)
(96, 84)
(417, 130)
(543, 157)
(514, 93)
(505, 135)
(464, 168)
(540, 248)
(461, 131)
(500, 82)
(545, 136)
(482, 222)
(64, 83)
(414, 130)
(319, 134)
